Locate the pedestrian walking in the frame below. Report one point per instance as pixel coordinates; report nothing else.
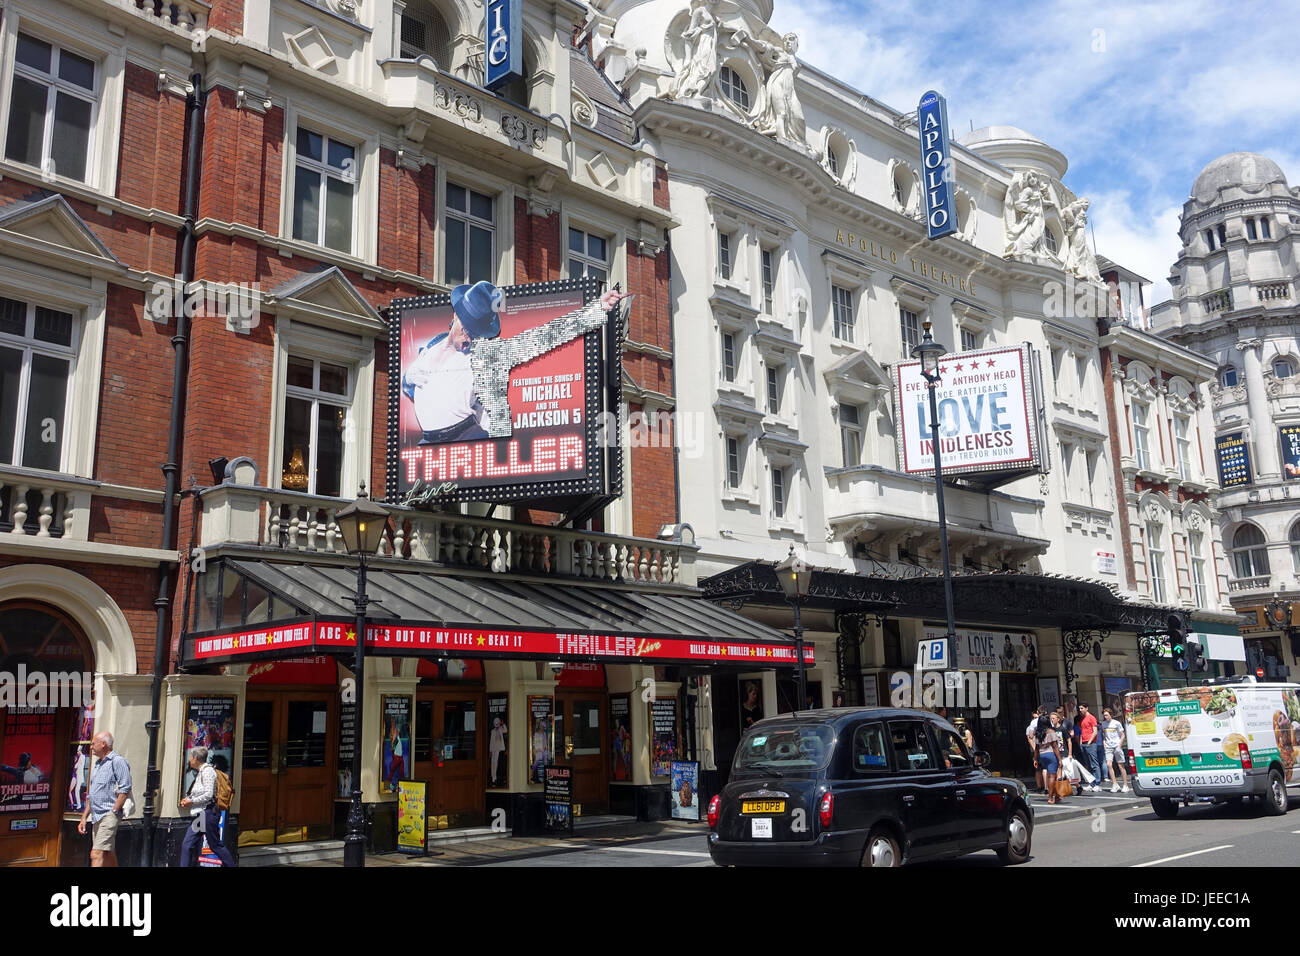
(110, 786)
(201, 801)
(1030, 736)
(1113, 737)
(1047, 757)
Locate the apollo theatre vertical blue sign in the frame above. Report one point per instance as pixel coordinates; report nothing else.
(940, 208)
(503, 42)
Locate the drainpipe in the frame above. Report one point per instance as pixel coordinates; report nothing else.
(180, 347)
(672, 347)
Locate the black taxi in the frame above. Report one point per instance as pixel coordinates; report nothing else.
(863, 787)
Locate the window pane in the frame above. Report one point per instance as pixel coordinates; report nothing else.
(455, 251)
(329, 449)
(300, 373)
(480, 254)
(911, 749)
(596, 248)
(456, 197)
(26, 122)
(46, 399)
(53, 326)
(576, 243)
(342, 156)
(575, 269)
(71, 136)
(869, 749)
(11, 368)
(13, 316)
(33, 52)
(586, 727)
(598, 275)
(338, 215)
(333, 379)
(297, 443)
(76, 69)
(849, 414)
(480, 206)
(309, 144)
(306, 205)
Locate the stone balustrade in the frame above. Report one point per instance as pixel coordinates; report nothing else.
(43, 505)
(292, 521)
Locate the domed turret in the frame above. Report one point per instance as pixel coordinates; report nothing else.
(1249, 171)
(1016, 149)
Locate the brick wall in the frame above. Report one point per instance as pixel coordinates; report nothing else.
(227, 16)
(539, 257)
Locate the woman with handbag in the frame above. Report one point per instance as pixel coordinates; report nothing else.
(1049, 755)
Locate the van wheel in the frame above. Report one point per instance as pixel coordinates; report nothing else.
(881, 850)
(1275, 801)
(1018, 839)
(1165, 808)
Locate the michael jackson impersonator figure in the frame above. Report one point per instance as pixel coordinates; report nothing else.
(459, 380)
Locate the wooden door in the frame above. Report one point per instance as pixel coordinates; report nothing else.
(580, 734)
(286, 791)
(450, 752)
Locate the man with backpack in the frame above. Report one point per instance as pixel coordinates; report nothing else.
(210, 794)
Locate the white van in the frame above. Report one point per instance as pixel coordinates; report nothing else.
(1222, 740)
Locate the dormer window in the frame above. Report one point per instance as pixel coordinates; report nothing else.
(1228, 377)
(733, 87)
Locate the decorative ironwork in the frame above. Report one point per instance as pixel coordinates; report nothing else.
(848, 656)
(1077, 643)
(1149, 645)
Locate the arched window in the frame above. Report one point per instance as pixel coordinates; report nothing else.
(1249, 553)
(1227, 376)
(832, 161)
(733, 87)
(1283, 367)
(425, 33)
(1049, 237)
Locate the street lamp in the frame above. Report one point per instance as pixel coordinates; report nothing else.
(795, 576)
(929, 352)
(361, 525)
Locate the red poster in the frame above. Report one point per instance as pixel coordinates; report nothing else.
(27, 761)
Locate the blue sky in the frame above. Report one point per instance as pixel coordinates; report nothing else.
(1138, 96)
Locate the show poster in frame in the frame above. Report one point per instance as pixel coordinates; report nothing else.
(396, 711)
(541, 729)
(412, 809)
(1289, 442)
(685, 788)
(498, 711)
(209, 722)
(620, 738)
(663, 723)
(501, 394)
(27, 760)
(557, 791)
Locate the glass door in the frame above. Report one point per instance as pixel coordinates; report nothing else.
(286, 793)
(580, 734)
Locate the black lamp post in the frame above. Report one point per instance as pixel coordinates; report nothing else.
(795, 576)
(929, 352)
(361, 525)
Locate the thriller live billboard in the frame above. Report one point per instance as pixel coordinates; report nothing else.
(501, 394)
(988, 414)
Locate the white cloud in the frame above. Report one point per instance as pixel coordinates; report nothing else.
(1146, 243)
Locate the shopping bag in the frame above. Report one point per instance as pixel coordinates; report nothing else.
(1063, 789)
(1083, 771)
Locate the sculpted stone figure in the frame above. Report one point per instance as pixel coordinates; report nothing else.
(1025, 215)
(1078, 258)
(701, 65)
(782, 116)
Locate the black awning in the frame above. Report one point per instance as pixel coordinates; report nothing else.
(1003, 599)
(426, 613)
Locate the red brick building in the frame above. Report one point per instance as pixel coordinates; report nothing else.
(345, 155)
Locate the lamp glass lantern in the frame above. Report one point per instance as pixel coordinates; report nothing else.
(361, 525)
(795, 575)
(929, 352)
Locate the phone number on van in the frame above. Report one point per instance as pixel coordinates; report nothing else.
(1195, 780)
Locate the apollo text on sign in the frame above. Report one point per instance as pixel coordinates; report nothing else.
(936, 163)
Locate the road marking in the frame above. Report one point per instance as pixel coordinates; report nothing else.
(1182, 856)
(644, 849)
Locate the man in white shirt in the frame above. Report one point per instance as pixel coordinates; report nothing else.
(1112, 735)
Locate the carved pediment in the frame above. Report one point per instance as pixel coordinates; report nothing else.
(45, 227)
(326, 298)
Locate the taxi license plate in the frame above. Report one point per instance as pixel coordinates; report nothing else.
(1162, 761)
(762, 806)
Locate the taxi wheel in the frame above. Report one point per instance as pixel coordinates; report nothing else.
(882, 850)
(1019, 836)
(1275, 801)
(1164, 808)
